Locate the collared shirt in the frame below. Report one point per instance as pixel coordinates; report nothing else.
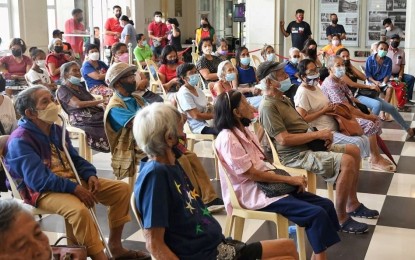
(119, 117)
(398, 58)
(335, 29)
(112, 24)
(378, 71)
(158, 30)
(238, 155)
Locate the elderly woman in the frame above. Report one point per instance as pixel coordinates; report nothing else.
(207, 65)
(56, 58)
(291, 67)
(38, 73)
(15, 66)
(182, 228)
(21, 236)
(336, 90)
(241, 156)
(227, 78)
(313, 105)
(192, 101)
(84, 111)
(167, 72)
(93, 71)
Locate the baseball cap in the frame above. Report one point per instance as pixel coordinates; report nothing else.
(266, 67)
(57, 32)
(117, 71)
(395, 36)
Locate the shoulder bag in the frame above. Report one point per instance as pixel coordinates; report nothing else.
(348, 124)
(68, 252)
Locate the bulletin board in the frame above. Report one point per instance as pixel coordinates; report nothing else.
(348, 13)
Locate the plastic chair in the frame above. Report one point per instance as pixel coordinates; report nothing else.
(195, 57)
(155, 81)
(233, 61)
(255, 60)
(311, 177)
(141, 69)
(236, 220)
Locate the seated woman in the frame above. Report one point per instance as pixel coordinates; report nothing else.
(268, 53)
(336, 90)
(207, 65)
(310, 52)
(167, 72)
(182, 228)
(55, 59)
(83, 110)
(93, 71)
(376, 104)
(331, 48)
(227, 79)
(192, 101)
(246, 78)
(222, 51)
(312, 105)
(38, 73)
(241, 156)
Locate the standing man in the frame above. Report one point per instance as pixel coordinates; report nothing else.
(300, 31)
(397, 56)
(74, 25)
(157, 33)
(390, 29)
(335, 28)
(112, 30)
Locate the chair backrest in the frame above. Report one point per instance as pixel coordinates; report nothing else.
(195, 57)
(275, 157)
(135, 210)
(154, 76)
(13, 186)
(233, 61)
(256, 60)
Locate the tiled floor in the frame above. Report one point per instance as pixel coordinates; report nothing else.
(392, 236)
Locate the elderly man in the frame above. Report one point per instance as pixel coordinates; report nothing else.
(291, 135)
(38, 164)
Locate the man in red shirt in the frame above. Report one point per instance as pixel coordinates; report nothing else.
(157, 33)
(113, 30)
(74, 25)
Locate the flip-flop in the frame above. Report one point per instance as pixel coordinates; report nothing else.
(386, 168)
(134, 255)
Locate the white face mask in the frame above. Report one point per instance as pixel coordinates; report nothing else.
(207, 50)
(157, 19)
(294, 60)
(388, 28)
(335, 42)
(41, 63)
(94, 56)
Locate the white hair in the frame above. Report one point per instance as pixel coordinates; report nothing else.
(292, 50)
(331, 60)
(152, 125)
(221, 74)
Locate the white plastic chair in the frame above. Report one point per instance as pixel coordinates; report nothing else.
(255, 60)
(155, 81)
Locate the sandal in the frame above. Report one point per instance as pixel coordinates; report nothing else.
(363, 212)
(411, 136)
(385, 168)
(136, 255)
(404, 109)
(353, 227)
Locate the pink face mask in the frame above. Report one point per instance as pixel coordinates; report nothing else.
(123, 57)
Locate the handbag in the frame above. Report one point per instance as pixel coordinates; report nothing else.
(400, 93)
(68, 252)
(348, 124)
(316, 145)
(230, 249)
(368, 92)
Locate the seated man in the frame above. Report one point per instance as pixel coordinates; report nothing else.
(36, 160)
(291, 67)
(291, 135)
(182, 228)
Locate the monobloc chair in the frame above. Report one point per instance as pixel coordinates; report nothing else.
(256, 60)
(155, 81)
(236, 219)
(311, 177)
(195, 57)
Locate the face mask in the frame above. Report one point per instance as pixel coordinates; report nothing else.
(346, 63)
(339, 72)
(207, 50)
(17, 52)
(94, 56)
(285, 85)
(124, 57)
(157, 19)
(75, 80)
(58, 49)
(245, 61)
(205, 25)
(80, 19)
(172, 62)
(129, 87)
(313, 79)
(118, 15)
(334, 21)
(194, 80)
(144, 43)
(394, 44)
(382, 53)
(223, 52)
(388, 28)
(311, 52)
(335, 42)
(245, 121)
(41, 63)
(270, 57)
(294, 60)
(50, 114)
(300, 19)
(230, 76)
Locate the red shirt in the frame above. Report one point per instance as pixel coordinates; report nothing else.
(77, 42)
(158, 30)
(13, 67)
(112, 24)
(58, 60)
(169, 73)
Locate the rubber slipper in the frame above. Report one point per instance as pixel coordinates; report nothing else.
(134, 255)
(353, 227)
(364, 212)
(386, 168)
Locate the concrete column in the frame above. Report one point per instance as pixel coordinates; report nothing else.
(33, 24)
(410, 38)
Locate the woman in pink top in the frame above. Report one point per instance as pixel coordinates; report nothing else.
(16, 65)
(240, 154)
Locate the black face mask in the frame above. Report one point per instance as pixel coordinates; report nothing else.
(58, 49)
(312, 52)
(395, 44)
(346, 63)
(118, 15)
(172, 62)
(17, 52)
(129, 87)
(80, 19)
(205, 25)
(334, 21)
(245, 121)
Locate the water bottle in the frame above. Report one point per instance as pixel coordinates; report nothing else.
(292, 233)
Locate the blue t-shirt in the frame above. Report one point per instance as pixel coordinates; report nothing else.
(291, 70)
(375, 70)
(88, 68)
(246, 76)
(166, 198)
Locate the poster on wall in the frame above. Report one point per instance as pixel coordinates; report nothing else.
(379, 10)
(347, 12)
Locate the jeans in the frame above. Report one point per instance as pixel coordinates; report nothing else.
(377, 104)
(410, 81)
(156, 50)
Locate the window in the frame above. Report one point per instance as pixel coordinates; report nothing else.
(52, 21)
(5, 31)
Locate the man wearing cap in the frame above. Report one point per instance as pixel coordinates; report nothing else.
(398, 64)
(67, 48)
(291, 136)
(118, 119)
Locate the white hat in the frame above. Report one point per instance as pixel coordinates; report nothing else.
(116, 71)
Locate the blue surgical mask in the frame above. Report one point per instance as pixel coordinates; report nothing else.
(294, 60)
(339, 72)
(230, 76)
(382, 53)
(270, 57)
(194, 80)
(245, 61)
(285, 85)
(144, 42)
(75, 80)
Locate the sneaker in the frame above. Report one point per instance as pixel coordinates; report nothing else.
(363, 212)
(353, 227)
(215, 205)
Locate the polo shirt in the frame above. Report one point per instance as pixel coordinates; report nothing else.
(398, 59)
(112, 24)
(158, 30)
(141, 54)
(377, 71)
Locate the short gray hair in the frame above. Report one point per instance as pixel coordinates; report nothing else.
(221, 67)
(9, 209)
(65, 68)
(292, 50)
(26, 99)
(331, 60)
(151, 126)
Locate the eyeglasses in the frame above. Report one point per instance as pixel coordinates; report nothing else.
(296, 56)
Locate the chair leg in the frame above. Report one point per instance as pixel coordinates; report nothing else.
(131, 181)
(330, 192)
(282, 226)
(217, 178)
(228, 225)
(239, 228)
(301, 243)
(190, 144)
(82, 144)
(312, 179)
